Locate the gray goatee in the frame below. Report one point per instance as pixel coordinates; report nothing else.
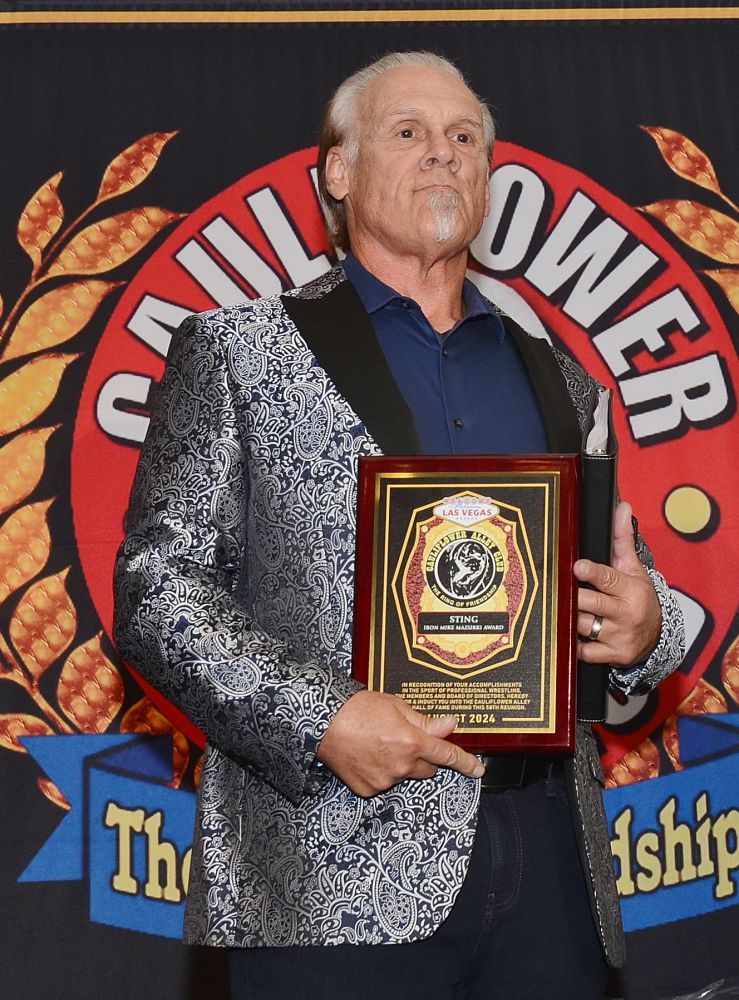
(443, 206)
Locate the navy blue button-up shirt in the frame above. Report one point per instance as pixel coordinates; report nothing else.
(467, 388)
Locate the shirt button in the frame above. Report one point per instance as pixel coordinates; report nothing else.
(444, 352)
(405, 303)
(458, 423)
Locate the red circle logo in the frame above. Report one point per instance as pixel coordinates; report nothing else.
(565, 258)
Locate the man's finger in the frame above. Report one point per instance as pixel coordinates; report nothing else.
(423, 770)
(598, 575)
(587, 623)
(596, 653)
(446, 754)
(593, 602)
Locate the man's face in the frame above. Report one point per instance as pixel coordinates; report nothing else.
(419, 182)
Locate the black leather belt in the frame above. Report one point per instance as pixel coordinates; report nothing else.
(516, 770)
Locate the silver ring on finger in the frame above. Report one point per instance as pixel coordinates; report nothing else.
(595, 628)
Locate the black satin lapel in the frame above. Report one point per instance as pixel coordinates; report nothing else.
(547, 381)
(340, 334)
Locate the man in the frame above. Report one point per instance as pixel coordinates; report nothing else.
(335, 831)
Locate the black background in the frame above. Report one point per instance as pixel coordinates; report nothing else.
(73, 97)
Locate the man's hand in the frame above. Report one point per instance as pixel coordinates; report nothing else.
(623, 596)
(376, 740)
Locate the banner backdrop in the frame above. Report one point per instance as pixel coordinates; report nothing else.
(158, 163)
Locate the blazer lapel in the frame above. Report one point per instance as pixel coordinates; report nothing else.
(340, 334)
(550, 389)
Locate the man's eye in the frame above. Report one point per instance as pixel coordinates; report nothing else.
(462, 137)
(406, 133)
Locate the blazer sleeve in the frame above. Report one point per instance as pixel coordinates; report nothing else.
(181, 619)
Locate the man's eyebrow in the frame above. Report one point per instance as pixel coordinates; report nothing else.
(474, 122)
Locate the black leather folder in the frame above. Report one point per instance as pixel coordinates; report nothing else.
(597, 504)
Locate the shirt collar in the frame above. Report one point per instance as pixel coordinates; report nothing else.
(375, 295)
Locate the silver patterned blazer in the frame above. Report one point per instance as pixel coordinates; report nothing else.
(234, 591)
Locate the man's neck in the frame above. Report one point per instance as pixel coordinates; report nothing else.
(435, 284)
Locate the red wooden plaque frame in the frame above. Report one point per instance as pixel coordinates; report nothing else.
(489, 542)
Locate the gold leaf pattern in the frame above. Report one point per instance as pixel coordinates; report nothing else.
(729, 282)
(110, 242)
(730, 670)
(53, 794)
(144, 717)
(133, 165)
(43, 624)
(25, 544)
(56, 317)
(639, 764)
(90, 689)
(21, 465)
(704, 699)
(16, 724)
(41, 219)
(27, 392)
(684, 158)
(704, 229)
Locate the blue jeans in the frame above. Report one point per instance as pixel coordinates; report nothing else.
(520, 929)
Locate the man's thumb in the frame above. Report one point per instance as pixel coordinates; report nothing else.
(441, 728)
(625, 558)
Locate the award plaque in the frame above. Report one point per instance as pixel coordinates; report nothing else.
(465, 601)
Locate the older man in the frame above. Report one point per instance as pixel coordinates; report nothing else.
(344, 847)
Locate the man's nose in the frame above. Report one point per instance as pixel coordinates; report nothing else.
(441, 151)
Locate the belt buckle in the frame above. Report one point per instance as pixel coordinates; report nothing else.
(505, 772)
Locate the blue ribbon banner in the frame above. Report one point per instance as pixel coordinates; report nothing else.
(675, 839)
(127, 831)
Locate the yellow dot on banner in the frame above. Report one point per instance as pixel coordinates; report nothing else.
(462, 649)
(688, 510)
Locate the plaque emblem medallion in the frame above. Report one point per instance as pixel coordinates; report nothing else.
(463, 584)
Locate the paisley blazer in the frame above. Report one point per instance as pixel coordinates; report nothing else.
(234, 591)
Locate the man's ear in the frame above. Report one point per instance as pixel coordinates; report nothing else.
(337, 173)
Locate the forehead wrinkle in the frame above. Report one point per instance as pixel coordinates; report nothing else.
(462, 117)
(391, 114)
(404, 111)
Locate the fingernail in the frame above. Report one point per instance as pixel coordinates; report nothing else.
(479, 771)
